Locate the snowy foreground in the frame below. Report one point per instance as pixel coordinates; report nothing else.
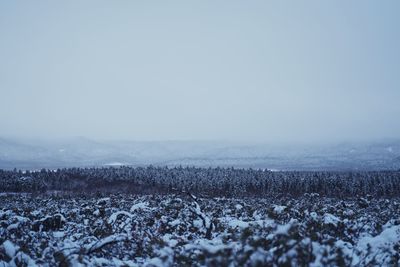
(176, 230)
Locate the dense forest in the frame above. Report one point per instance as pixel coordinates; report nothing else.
(229, 182)
(188, 216)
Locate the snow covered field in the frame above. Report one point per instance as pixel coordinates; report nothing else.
(176, 230)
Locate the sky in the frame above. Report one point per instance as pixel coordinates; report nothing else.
(268, 71)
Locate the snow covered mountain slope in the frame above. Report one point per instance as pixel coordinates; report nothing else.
(81, 152)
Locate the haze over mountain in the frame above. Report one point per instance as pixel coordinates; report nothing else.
(270, 72)
(264, 71)
(83, 152)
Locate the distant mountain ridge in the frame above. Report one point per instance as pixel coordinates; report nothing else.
(83, 152)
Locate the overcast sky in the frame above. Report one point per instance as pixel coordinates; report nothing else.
(228, 70)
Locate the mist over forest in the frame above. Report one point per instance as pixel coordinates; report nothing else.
(84, 152)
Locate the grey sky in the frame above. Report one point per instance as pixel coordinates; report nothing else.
(236, 70)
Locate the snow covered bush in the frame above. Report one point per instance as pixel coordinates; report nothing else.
(181, 229)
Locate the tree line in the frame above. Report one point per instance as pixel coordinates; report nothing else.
(229, 182)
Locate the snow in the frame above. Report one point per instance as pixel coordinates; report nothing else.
(154, 262)
(331, 219)
(139, 206)
(284, 229)
(198, 223)
(167, 238)
(165, 258)
(9, 248)
(25, 178)
(175, 222)
(349, 213)
(318, 252)
(197, 210)
(114, 164)
(107, 240)
(234, 223)
(381, 243)
(22, 257)
(58, 234)
(263, 223)
(238, 206)
(174, 231)
(211, 247)
(314, 215)
(237, 223)
(279, 209)
(347, 249)
(114, 216)
(13, 226)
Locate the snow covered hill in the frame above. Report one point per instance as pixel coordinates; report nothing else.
(80, 152)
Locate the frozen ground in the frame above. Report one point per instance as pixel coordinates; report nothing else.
(176, 230)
